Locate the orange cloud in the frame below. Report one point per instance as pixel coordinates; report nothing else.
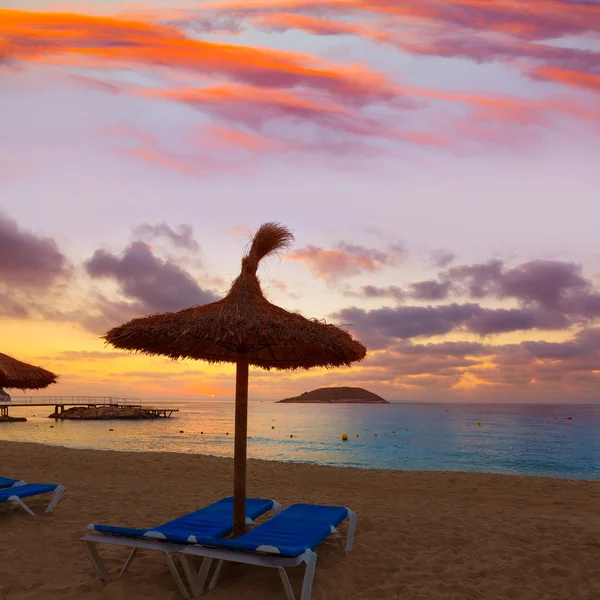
(539, 19)
(480, 30)
(256, 108)
(586, 80)
(163, 158)
(109, 40)
(327, 264)
(311, 24)
(346, 259)
(246, 141)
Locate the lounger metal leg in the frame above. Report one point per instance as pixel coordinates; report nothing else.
(58, 492)
(173, 568)
(195, 580)
(351, 530)
(309, 575)
(215, 577)
(22, 504)
(96, 561)
(336, 534)
(129, 560)
(203, 572)
(289, 593)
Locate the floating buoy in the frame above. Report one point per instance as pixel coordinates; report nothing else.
(357, 435)
(51, 426)
(569, 418)
(345, 436)
(393, 432)
(478, 422)
(375, 435)
(111, 429)
(407, 429)
(272, 426)
(181, 431)
(227, 433)
(202, 433)
(291, 436)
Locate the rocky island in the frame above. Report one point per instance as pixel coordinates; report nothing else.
(99, 413)
(337, 395)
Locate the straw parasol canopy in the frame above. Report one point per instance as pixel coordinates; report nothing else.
(17, 374)
(246, 329)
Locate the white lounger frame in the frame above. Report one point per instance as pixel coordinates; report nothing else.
(58, 492)
(309, 558)
(197, 579)
(151, 543)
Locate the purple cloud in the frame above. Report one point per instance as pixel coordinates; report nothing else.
(431, 290)
(555, 286)
(27, 259)
(442, 258)
(490, 321)
(157, 285)
(384, 325)
(183, 237)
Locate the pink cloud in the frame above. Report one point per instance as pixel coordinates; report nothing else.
(345, 260)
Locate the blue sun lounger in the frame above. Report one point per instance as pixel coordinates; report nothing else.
(287, 540)
(213, 521)
(7, 482)
(16, 494)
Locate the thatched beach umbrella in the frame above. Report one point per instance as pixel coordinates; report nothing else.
(23, 376)
(242, 328)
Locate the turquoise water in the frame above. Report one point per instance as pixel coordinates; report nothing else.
(514, 439)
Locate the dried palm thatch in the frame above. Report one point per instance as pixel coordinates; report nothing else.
(23, 376)
(246, 329)
(244, 319)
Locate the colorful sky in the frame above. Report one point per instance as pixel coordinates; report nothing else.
(437, 161)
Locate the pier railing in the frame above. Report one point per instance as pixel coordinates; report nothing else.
(73, 401)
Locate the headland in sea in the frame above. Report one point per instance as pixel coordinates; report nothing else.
(336, 395)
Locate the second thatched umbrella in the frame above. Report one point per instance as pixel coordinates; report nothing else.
(242, 328)
(23, 376)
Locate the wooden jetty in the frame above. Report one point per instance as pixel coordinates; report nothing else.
(59, 403)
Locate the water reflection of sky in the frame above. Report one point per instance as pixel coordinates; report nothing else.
(536, 440)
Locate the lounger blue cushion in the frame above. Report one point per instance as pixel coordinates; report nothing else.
(24, 491)
(6, 482)
(215, 520)
(290, 533)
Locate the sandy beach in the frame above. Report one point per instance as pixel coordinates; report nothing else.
(419, 535)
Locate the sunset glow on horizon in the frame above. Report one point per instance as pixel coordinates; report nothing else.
(435, 160)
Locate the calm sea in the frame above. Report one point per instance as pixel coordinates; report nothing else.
(517, 439)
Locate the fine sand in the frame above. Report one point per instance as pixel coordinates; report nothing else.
(438, 536)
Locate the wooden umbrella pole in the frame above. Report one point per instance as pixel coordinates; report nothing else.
(241, 440)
